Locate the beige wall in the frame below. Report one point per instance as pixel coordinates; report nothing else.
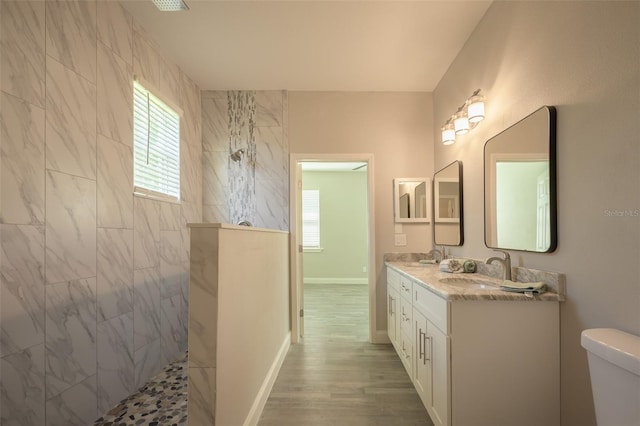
(396, 128)
(343, 228)
(582, 57)
(238, 321)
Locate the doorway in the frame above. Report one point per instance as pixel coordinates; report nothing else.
(328, 176)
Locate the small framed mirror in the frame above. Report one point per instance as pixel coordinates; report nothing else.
(520, 185)
(411, 199)
(448, 227)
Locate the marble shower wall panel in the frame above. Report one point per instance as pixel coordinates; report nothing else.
(71, 122)
(115, 180)
(115, 273)
(70, 227)
(171, 264)
(22, 158)
(171, 329)
(115, 29)
(148, 362)
(146, 308)
(22, 39)
(215, 122)
(146, 233)
(242, 116)
(215, 156)
(74, 407)
(94, 280)
(71, 334)
(22, 388)
(22, 286)
(115, 361)
(115, 96)
(71, 35)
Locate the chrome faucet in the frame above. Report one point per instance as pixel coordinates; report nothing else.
(506, 263)
(441, 253)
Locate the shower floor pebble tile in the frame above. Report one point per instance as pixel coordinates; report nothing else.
(161, 402)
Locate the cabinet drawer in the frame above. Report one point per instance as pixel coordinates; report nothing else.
(432, 306)
(406, 286)
(406, 316)
(393, 279)
(405, 352)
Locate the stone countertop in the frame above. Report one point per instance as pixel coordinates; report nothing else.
(429, 275)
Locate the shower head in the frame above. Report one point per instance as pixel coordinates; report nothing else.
(237, 156)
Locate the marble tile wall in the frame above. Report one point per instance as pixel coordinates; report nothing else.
(93, 281)
(257, 187)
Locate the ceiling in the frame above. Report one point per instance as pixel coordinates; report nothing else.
(313, 45)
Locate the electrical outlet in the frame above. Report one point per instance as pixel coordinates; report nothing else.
(401, 240)
(364, 269)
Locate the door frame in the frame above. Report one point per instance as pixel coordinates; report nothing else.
(295, 255)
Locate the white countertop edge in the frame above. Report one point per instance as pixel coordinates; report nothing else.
(234, 227)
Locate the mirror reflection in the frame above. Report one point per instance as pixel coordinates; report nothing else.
(411, 198)
(447, 205)
(520, 188)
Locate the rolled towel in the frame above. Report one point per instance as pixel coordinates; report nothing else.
(533, 288)
(458, 266)
(452, 266)
(469, 266)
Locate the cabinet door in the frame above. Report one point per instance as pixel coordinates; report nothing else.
(392, 314)
(421, 373)
(438, 357)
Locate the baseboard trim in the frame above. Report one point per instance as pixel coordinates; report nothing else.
(263, 394)
(336, 281)
(381, 337)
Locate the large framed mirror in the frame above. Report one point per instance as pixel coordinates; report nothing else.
(520, 185)
(448, 229)
(411, 199)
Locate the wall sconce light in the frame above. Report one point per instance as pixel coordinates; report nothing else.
(465, 119)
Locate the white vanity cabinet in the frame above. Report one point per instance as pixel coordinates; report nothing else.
(479, 360)
(431, 373)
(393, 305)
(405, 318)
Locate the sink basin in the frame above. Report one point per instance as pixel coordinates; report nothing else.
(470, 283)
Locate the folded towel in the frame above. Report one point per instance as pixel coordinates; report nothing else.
(533, 288)
(427, 261)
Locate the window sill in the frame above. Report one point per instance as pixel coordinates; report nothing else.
(312, 249)
(142, 193)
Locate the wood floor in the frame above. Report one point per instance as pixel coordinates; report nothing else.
(335, 377)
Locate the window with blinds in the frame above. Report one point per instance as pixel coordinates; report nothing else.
(311, 218)
(156, 146)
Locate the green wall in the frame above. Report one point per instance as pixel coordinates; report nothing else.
(343, 227)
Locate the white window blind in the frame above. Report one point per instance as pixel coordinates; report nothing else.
(156, 146)
(311, 218)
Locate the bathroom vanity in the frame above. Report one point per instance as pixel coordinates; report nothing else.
(477, 355)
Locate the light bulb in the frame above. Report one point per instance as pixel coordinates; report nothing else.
(475, 108)
(461, 123)
(448, 134)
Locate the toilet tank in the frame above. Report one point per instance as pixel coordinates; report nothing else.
(614, 366)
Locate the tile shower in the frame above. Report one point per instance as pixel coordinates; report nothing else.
(94, 281)
(256, 188)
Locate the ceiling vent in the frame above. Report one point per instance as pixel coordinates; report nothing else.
(171, 5)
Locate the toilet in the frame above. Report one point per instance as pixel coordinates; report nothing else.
(614, 365)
